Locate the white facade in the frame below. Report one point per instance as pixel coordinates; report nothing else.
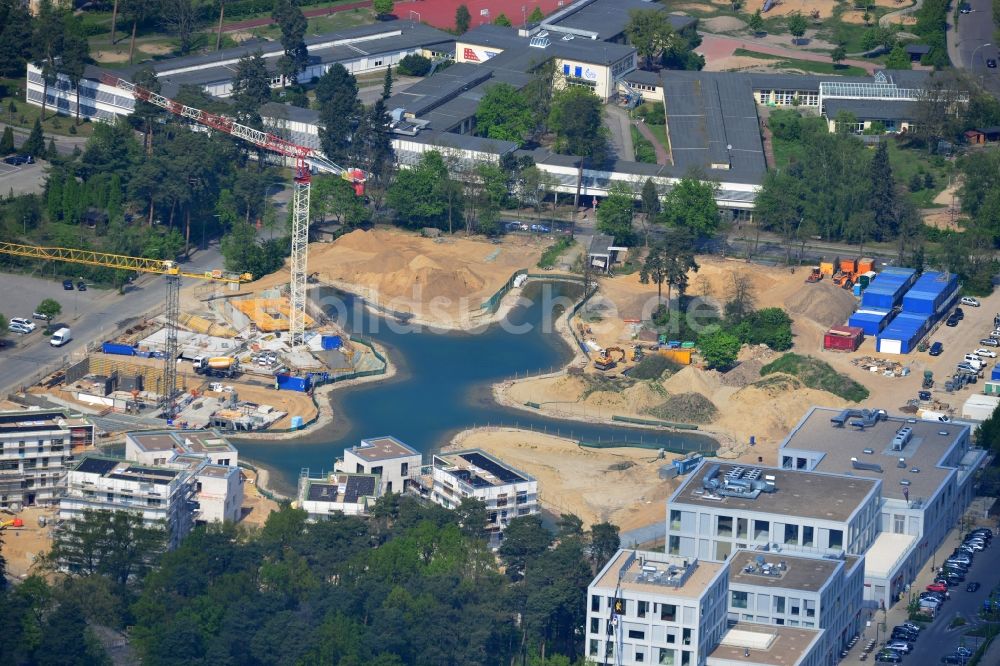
(219, 493)
(474, 473)
(649, 608)
(344, 493)
(789, 591)
(162, 496)
(97, 100)
(396, 464)
(156, 447)
(35, 451)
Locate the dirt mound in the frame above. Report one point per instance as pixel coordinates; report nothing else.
(693, 380)
(751, 359)
(823, 303)
(685, 408)
(361, 241)
(723, 24)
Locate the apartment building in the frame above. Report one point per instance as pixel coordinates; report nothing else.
(395, 463)
(508, 493)
(926, 470)
(651, 608)
(161, 495)
(723, 508)
(36, 448)
(748, 644)
(791, 591)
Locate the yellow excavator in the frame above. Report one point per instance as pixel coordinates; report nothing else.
(605, 360)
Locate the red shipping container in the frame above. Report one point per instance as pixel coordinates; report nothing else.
(843, 338)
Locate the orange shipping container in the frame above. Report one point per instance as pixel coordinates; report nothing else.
(826, 267)
(866, 264)
(682, 356)
(848, 266)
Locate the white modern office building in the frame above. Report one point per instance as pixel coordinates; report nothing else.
(36, 448)
(394, 462)
(508, 493)
(926, 470)
(351, 494)
(163, 496)
(721, 508)
(792, 591)
(156, 447)
(747, 644)
(650, 608)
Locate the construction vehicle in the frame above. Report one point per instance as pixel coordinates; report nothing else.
(605, 362)
(216, 366)
(637, 353)
(164, 267)
(814, 275)
(11, 522)
(305, 160)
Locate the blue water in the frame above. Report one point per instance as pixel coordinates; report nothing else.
(442, 386)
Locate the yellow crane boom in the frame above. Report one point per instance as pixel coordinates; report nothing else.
(164, 267)
(119, 261)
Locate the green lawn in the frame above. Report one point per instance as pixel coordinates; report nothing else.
(660, 132)
(644, 150)
(25, 115)
(906, 162)
(803, 65)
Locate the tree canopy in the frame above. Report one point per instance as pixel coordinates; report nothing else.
(337, 97)
(293, 26)
(576, 119)
(690, 204)
(616, 212)
(650, 32)
(504, 114)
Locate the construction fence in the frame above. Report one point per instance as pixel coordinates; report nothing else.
(491, 304)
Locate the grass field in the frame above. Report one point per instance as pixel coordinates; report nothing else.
(816, 374)
(803, 65)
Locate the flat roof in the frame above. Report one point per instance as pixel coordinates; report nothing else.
(218, 471)
(926, 451)
(626, 570)
(809, 574)
(113, 468)
(386, 447)
(153, 441)
(346, 488)
(28, 420)
(198, 442)
(872, 109)
(769, 645)
(478, 468)
(585, 50)
(887, 550)
(606, 19)
(806, 494)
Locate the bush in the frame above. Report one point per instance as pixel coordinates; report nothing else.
(718, 349)
(817, 375)
(654, 114)
(770, 326)
(551, 254)
(413, 65)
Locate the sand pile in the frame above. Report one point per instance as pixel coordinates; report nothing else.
(723, 24)
(693, 380)
(685, 408)
(747, 370)
(823, 303)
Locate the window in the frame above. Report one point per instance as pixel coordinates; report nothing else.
(739, 599)
(643, 606)
(671, 638)
(725, 526)
(595, 625)
(793, 606)
(578, 72)
(666, 657)
(595, 603)
(565, 70)
(685, 658)
(898, 524)
(779, 604)
(404, 469)
(807, 536)
(791, 534)
(640, 656)
(675, 519)
(668, 612)
(741, 528)
(810, 607)
(378, 62)
(686, 636)
(638, 634)
(836, 538)
(674, 545)
(761, 530)
(595, 646)
(377, 470)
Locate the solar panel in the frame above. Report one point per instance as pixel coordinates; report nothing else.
(323, 492)
(487, 465)
(97, 465)
(359, 486)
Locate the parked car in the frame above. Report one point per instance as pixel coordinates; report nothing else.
(950, 582)
(912, 626)
(985, 531)
(937, 587)
(81, 285)
(900, 634)
(975, 545)
(985, 353)
(953, 659)
(899, 646)
(18, 328)
(965, 8)
(39, 315)
(888, 657)
(955, 575)
(951, 321)
(936, 349)
(990, 342)
(27, 323)
(963, 651)
(972, 587)
(970, 301)
(991, 63)
(18, 160)
(68, 285)
(958, 314)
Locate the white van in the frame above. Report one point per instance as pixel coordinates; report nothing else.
(60, 337)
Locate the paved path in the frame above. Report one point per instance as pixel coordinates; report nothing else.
(661, 152)
(621, 137)
(716, 47)
(886, 19)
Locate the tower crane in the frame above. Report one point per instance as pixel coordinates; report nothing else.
(305, 158)
(164, 267)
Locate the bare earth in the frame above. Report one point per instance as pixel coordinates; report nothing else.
(582, 481)
(22, 545)
(440, 282)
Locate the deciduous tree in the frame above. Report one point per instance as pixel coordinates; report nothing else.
(337, 97)
(504, 114)
(576, 119)
(718, 349)
(251, 88)
(50, 308)
(536, 15)
(796, 24)
(293, 26)
(690, 204)
(755, 23)
(616, 212)
(649, 31)
(462, 19)
(179, 18)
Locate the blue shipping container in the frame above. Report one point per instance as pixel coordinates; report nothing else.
(908, 275)
(290, 383)
(931, 293)
(884, 293)
(995, 374)
(116, 348)
(870, 321)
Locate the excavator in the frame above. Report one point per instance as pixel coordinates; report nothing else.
(605, 361)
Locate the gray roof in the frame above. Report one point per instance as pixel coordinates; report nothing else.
(870, 109)
(280, 111)
(606, 19)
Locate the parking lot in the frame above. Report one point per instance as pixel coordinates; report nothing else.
(23, 179)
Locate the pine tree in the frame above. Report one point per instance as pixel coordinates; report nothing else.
(387, 84)
(883, 194)
(462, 19)
(51, 153)
(35, 145)
(7, 142)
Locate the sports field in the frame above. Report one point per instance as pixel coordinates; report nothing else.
(441, 13)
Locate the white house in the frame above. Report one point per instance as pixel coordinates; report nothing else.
(394, 462)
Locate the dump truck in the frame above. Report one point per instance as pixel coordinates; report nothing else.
(216, 366)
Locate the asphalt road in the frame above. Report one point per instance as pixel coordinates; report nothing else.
(938, 639)
(64, 144)
(91, 315)
(974, 30)
(23, 179)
